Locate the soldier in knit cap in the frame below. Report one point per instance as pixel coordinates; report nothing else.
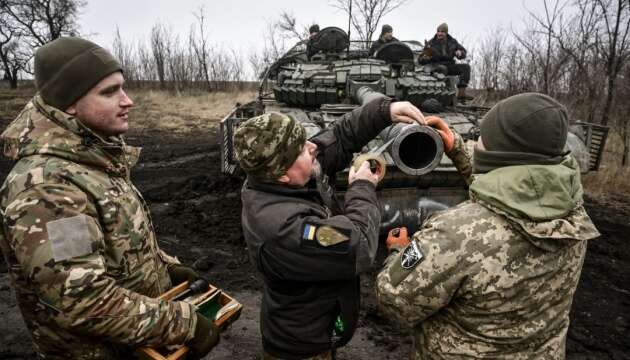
(77, 236)
(308, 247)
(494, 277)
(312, 32)
(387, 35)
(444, 50)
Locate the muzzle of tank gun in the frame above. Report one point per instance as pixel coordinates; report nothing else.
(417, 149)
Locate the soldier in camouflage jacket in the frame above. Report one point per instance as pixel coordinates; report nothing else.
(494, 277)
(77, 235)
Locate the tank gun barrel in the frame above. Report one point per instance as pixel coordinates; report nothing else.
(416, 149)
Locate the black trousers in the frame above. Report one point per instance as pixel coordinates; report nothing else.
(463, 70)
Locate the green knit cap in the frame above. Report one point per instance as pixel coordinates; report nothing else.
(524, 129)
(68, 67)
(267, 145)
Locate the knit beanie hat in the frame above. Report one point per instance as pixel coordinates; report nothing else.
(68, 67)
(443, 27)
(267, 145)
(524, 129)
(313, 28)
(386, 29)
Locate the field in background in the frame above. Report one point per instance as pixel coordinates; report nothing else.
(161, 110)
(186, 113)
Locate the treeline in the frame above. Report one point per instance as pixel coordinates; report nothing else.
(170, 61)
(575, 50)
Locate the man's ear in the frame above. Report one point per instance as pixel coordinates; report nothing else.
(284, 179)
(72, 110)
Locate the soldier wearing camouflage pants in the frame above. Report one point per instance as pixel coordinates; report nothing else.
(308, 247)
(77, 235)
(494, 277)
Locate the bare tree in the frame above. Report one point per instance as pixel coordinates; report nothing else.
(124, 52)
(42, 21)
(367, 14)
(615, 45)
(539, 42)
(200, 45)
(14, 56)
(160, 42)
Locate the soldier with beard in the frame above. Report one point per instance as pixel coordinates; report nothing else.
(443, 50)
(308, 247)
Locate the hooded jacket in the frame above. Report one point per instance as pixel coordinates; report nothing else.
(497, 273)
(79, 243)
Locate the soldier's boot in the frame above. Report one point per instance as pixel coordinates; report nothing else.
(462, 96)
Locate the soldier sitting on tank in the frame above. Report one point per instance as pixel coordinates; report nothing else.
(387, 35)
(444, 48)
(310, 50)
(308, 247)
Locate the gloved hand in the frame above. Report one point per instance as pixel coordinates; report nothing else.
(397, 238)
(180, 273)
(445, 132)
(206, 337)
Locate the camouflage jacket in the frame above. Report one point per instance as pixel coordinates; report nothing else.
(79, 242)
(494, 277)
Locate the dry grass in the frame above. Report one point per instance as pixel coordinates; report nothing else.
(611, 177)
(182, 114)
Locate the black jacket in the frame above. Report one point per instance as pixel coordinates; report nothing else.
(307, 284)
(443, 52)
(378, 43)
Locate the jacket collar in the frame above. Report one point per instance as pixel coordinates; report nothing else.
(41, 129)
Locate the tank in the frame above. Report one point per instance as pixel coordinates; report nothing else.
(339, 76)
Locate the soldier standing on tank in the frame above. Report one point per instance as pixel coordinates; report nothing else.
(312, 32)
(494, 277)
(308, 247)
(387, 36)
(77, 236)
(444, 49)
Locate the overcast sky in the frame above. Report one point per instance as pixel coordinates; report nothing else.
(241, 23)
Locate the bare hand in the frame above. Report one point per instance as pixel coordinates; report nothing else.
(458, 54)
(364, 173)
(405, 112)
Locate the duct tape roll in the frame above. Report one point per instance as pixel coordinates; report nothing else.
(377, 164)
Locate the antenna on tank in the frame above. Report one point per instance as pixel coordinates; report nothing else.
(349, 22)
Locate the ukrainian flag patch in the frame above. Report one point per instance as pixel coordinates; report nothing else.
(309, 232)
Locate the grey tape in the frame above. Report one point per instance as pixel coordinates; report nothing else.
(69, 237)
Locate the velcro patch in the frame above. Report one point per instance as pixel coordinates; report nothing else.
(411, 256)
(405, 263)
(69, 237)
(329, 236)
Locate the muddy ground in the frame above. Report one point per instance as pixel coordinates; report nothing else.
(196, 211)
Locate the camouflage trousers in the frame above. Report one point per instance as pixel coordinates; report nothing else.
(328, 355)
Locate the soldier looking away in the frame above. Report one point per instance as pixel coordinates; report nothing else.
(387, 35)
(308, 247)
(494, 277)
(77, 236)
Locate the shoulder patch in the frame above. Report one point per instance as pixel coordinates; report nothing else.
(411, 256)
(328, 236)
(309, 232)
(69, 237)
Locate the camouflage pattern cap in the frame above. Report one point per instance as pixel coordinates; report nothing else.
(267, 145)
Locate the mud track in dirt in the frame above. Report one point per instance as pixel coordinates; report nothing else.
(196, 211)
